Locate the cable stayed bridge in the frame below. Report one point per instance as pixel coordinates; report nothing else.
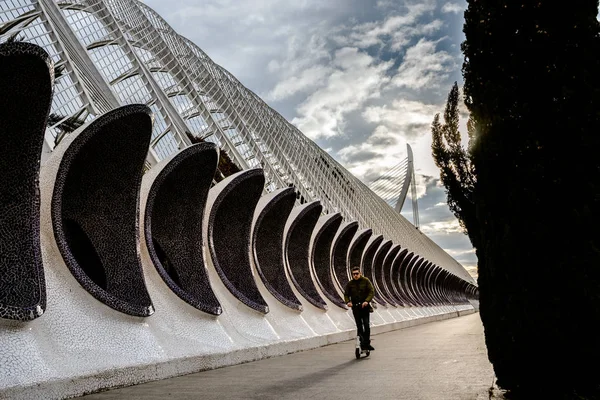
(393, 185)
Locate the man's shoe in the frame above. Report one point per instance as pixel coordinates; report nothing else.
(369, 347)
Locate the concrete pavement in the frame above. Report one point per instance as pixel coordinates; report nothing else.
(443, 360)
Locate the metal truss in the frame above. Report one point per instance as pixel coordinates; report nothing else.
(118, 52)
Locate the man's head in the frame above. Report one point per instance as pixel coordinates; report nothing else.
(355, 273)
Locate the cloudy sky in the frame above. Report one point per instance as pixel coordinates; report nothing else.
(359, 77)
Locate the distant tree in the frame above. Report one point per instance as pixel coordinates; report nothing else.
(226, 167)
(14, 37)
(533, 90)
(456, 170)
(226, 164)
(64, 125)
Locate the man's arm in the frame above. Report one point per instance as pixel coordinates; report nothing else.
(346, 296)
(371, 291)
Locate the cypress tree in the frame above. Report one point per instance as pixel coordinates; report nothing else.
(456, 172)
(533, 89)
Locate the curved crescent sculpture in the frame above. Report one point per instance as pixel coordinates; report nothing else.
(412, 276)
(424, 283)
(400, 287)
(357, 248)
(367, 266)
(437, 285)
(173, 224)
(299, 229)
(400, 279)
(270, 218)
(339, 253)
(323, 235)
(231, 209)
(26, 79)
(378, 271)
(95, 208)
(397, 285)
(388, 264)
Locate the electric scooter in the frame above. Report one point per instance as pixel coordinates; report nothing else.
(358, 351)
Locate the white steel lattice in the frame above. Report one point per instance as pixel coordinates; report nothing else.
(118, 52)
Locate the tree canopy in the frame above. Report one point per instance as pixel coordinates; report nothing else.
(532, 87)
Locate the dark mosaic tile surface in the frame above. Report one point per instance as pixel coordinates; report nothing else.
(444, 286)
(412, 276)
(26, 81)
(379, 274)
(367, 267)
(357, 248)
(392, 262)
(437, 285)
(399, 282)
(297, 250)
(173, 225)
(229, 227)
(95, 209)
(321, 256)
(339, 255)
(431, 283)
(422, 283)
(397, 289)
(268, 247)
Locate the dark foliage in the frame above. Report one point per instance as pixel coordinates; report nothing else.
(533, 89)
(14, 38)
(456, 171)
(226, 166)
(59, 71)
(65, 127)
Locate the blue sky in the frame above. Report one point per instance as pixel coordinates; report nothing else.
(359, 77)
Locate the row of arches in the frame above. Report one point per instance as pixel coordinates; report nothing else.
(103, 207)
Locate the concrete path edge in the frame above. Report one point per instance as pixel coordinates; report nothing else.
(123, 377)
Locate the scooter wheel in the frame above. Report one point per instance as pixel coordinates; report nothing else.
(357, 353)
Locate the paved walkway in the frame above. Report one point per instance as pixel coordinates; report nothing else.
(443, 360)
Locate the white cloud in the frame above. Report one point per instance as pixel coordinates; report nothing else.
(377, 154)
(442, 227)
(452, 8)
(409, 118)
(355, 78)
(396, 30)
(424, 66)
(460, 252)
(307, 80)
(396, 124)
(471, 269)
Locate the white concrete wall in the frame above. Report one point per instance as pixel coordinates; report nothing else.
(81, 345)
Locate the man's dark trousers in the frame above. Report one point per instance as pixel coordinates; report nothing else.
(361, 316)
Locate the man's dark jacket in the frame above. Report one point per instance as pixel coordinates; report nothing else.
(359, 290)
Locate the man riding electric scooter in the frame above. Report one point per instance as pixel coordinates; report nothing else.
(357, 294)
